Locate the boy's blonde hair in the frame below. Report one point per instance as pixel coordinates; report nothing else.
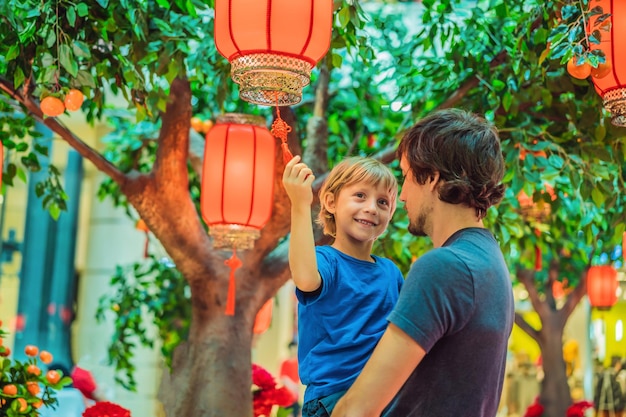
(350, 171)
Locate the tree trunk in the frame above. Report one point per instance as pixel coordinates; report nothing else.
(211, 372)
(555, 394)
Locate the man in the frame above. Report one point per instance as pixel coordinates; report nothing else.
(444, 351)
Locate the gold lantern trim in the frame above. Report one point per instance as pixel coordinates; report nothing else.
(271, 79)
(615, 102)
(233, 235)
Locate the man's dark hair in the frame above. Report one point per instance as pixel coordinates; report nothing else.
(465, 150)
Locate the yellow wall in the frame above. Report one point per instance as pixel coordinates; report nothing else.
(610, 317)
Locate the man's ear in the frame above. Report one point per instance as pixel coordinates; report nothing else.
(329, 202)
(434, 180)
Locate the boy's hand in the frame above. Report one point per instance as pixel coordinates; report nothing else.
(298, 180)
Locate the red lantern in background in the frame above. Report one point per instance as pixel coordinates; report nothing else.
(610, 83)
(272, 45)
(237, 185)
(602, 286)
(263, 318)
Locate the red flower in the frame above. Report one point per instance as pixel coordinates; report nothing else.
(574, 410)
(534, 410)
(266, 395)
(578, 409)
(106, 409)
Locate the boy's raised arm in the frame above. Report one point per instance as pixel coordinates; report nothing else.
(298, 181)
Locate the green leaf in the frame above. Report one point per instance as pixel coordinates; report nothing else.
(81, 49)
(13, 52)
(82, 9)
(71, 16)
(18, 77)
(66, 58)
(597, 197)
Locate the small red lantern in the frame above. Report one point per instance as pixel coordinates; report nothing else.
(611, 82)
(602, 286)
(272, 45)
(263, 318)
(237, 185)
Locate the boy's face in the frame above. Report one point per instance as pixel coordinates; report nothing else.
(362, 211)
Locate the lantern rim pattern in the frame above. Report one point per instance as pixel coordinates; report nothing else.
(273, 45)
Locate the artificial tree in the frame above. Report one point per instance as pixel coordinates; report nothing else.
(388, 66)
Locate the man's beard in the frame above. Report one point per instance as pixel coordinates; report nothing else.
(417, 227)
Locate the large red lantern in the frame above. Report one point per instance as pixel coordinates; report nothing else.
(272, 45)
(237, 185)
(602, 286)
(610, 83)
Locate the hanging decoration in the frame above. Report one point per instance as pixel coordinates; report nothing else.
(610, 80)
(143, 227)
(272, 45)
(263, 318)
(602, 286)
(237, 186)
(539, 211)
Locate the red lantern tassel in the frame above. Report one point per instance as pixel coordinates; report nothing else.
(280, 129)
(537, 258)
(233, 263)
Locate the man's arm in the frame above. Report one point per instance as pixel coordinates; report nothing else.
(391, 364)
(298, 181)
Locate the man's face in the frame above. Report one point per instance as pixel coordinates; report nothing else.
(416, 199)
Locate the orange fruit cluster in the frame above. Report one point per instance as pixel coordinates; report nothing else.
(23, 393)
(201, 126)
(585, 69)
(53, 106)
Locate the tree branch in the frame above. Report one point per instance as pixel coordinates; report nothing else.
(527, 328)
(57, 127)
(173, 149)
(527, 278)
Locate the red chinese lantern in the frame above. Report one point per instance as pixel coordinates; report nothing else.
(602, 286)
(610, 79)
(263, 318)
(272, 45)
(237, 185)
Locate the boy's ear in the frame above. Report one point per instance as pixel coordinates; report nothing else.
(329, 202)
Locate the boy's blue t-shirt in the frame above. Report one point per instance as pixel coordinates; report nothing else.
(339, 327)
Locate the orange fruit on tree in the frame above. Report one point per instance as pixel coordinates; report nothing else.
(33, 370)
(6, 352)
(23, 405)
(73, 99)
(581, 71)
(207, 125)
(52, 106)
(32, 387)
(9, 389)
(602, 70)
(45, 356)
(53, 377)
(31, 350)
(196, 124)
(38, 404)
